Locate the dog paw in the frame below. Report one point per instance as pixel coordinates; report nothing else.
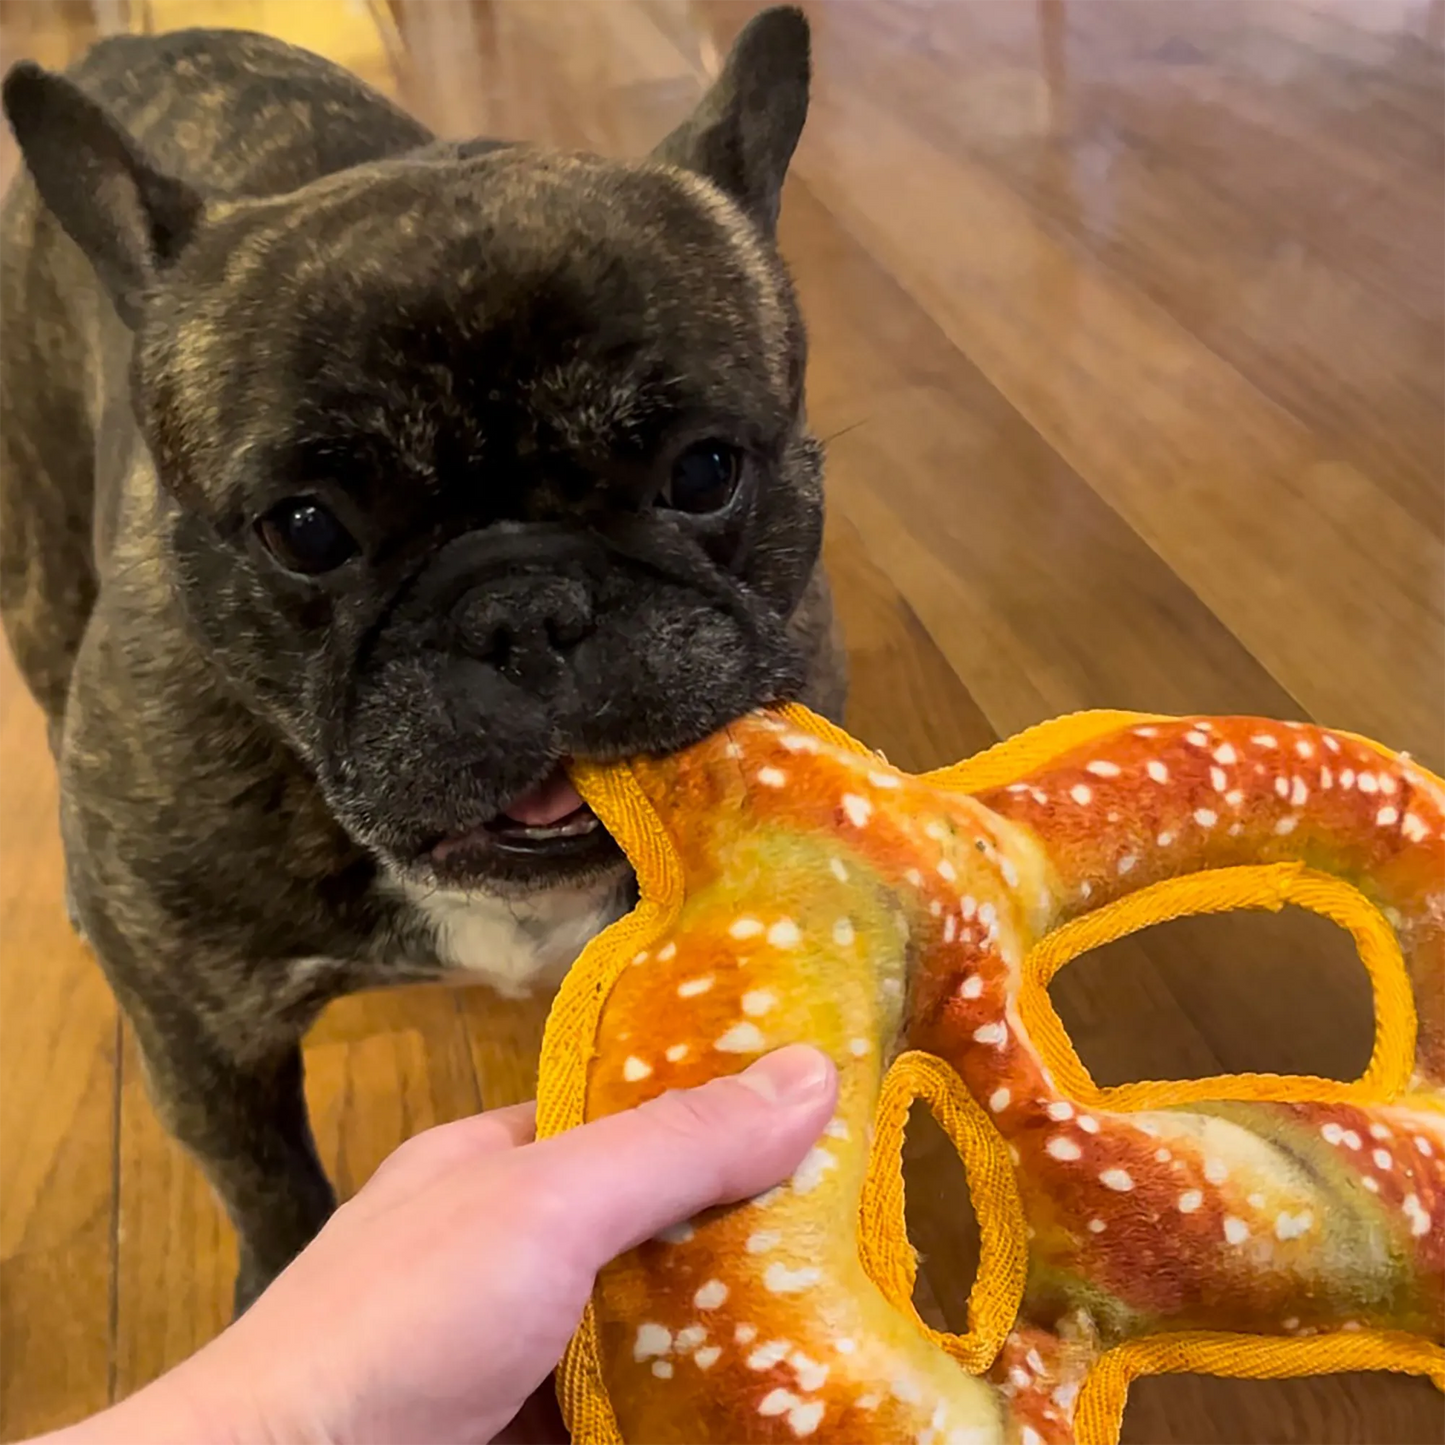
(73, 914)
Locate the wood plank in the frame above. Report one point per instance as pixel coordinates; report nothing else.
(1252, 286)
(57, 1107)
(903, 696)
(1298, 556)
(1039, 594)
(505, 1038)
(380, 1067)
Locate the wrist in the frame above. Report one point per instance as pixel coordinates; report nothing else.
(200, 1400)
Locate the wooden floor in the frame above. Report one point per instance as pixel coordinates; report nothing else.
(1127, 344)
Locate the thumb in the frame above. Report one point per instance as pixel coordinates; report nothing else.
(628, 1176)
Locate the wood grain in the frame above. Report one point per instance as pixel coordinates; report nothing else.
(58, 1068)
(1128, 350)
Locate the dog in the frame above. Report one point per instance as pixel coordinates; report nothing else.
(352, 482)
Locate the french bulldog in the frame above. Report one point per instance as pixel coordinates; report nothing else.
(352, 482)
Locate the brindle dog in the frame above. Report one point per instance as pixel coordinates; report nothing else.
(352, 481)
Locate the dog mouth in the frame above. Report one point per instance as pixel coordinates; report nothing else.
(548, 822)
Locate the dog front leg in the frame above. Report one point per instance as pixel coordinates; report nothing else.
(242, 1113)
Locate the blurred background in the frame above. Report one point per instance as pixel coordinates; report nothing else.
(1127, 347)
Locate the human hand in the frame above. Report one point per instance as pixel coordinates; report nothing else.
(440, 1297)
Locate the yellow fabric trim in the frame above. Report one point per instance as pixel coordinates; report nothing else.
(889, 1259)
(1243, 1357)
(1264, 886)
(823, 730)
(1007, 761)
(569, 1043)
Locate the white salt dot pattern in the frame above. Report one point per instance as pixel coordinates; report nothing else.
(778, 1402)
(779, 1279)
(809, 1174)
(1418, 1216)
(1291, 1226)
(768, 1355)
(744, 1038)
(652, 1339)
(785, 934)
(811, 1375)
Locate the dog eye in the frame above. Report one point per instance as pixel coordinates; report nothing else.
(703, 478)
(303, 536)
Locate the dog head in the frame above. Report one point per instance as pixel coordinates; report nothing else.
(476, 458)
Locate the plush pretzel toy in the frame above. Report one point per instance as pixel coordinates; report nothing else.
(796, 888)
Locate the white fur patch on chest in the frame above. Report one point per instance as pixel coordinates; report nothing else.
(518, 946)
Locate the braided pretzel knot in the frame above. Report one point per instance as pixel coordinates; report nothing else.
(796, 888)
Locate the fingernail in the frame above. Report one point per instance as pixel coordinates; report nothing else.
(789, 1076)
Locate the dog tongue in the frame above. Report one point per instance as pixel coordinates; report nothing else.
(545, 805)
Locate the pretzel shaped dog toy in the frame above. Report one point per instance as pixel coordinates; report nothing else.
(795, 888)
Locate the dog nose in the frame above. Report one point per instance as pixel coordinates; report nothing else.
(524, 627)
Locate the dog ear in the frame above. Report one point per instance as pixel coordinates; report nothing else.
(129, 218)
(742, 134)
